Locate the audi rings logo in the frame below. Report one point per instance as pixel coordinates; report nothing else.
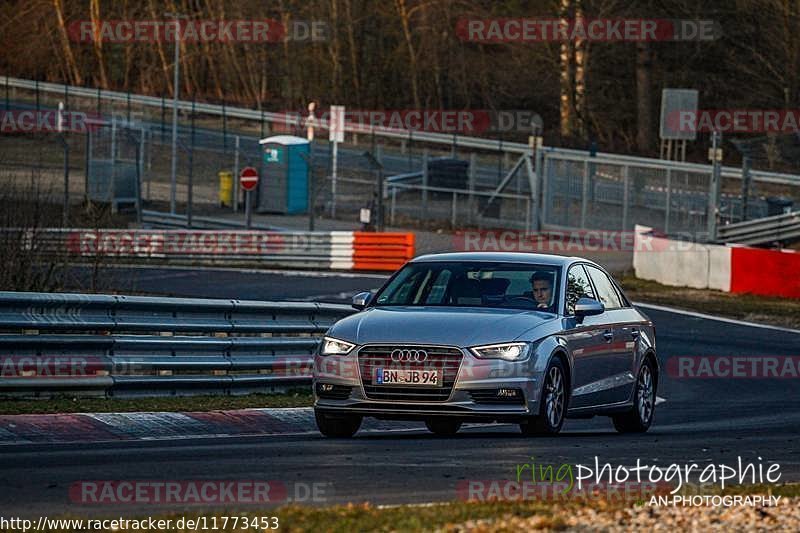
(409, 356)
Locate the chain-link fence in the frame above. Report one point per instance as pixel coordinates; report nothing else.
(416, 179)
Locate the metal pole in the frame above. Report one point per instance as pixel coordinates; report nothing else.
(140, 158)
(668, 205)
(248, 209)
(175, 88)
(7, 95)
(190, 185)
(745, 186)
(380, 198)
(112, 183)
(65, 214)
(334, 164)
(453, 212)
(714, 189)
(473, 162)
(311, 187)
(424, 180)
(585, 193)
(625, 196)
(236, 176)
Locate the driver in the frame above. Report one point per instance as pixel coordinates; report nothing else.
(542, 291)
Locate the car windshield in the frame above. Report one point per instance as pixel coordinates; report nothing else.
(474, 284)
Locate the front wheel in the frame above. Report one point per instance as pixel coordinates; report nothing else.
(340, 426)
(638, 419)
(553, 403)
(444, 427)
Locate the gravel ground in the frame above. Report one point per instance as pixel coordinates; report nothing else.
(784, 517)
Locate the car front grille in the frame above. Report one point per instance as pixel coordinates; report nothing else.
(446, 360)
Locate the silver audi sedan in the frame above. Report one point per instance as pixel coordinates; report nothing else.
(489, 337)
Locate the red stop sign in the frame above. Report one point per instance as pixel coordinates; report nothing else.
(248, 178)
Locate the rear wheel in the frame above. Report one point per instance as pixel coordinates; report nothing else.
(553, 403)
(638, 419)
(444, 427)
(341, 426)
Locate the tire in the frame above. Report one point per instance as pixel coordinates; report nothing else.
(340, 426)
(444, 427)
(639, 419)
(553, 403)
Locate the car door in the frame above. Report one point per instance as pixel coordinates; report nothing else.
(589, 342)
(614, 369)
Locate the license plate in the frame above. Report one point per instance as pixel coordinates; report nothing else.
(423, 378)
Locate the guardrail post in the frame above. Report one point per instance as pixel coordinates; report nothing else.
(394, 200)
(714, 186)
(7, 94)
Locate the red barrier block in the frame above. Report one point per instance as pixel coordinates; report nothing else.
(765, 272)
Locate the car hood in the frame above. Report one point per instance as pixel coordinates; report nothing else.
(438, 325)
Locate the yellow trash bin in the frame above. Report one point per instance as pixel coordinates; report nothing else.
(225, 188)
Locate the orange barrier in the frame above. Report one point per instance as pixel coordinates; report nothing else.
(381, 251)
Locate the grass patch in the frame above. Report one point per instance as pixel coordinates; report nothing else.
(762, 309)
(295, 398)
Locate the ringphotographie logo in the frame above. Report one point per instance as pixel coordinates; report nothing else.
(549, 29)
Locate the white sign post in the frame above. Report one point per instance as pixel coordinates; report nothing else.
(335, 136)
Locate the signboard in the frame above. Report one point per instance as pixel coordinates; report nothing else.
(272, 155)
(336, 124)
(677, 108)
(248, 178)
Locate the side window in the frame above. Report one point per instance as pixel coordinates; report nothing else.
(606, 292)
(578, 287)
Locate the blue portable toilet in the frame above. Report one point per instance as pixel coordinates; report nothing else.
(283, 187)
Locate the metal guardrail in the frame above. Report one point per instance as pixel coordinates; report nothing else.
(158, 219)
(104, 345)
(450, 140)
(779, 228)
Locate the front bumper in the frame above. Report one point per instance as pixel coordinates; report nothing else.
(471, 395)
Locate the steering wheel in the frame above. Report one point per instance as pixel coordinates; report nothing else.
(523, 300)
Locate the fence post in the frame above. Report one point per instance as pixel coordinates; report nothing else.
(236, 175)
(190, 185)
(424, 181)
(112, 184)
(585, 193)
(625, 196)
(36, 84)
(714, 186)
(394, 200)
(473, 163)
(7, 95)
(668, 205)
(65, 214)
(140, 162)
(453, 212)
(546, 186)
(746, 181)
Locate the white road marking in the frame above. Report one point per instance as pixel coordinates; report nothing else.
(712, 317)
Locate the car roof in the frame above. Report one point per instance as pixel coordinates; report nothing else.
(503, 257)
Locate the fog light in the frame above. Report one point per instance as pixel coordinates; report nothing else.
(508, 393)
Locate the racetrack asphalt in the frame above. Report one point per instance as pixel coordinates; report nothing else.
(703, 421)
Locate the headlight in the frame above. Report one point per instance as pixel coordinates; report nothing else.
(331, 346)
(513, 351)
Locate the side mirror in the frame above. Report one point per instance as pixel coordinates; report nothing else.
(361, 300)
(588, 307)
